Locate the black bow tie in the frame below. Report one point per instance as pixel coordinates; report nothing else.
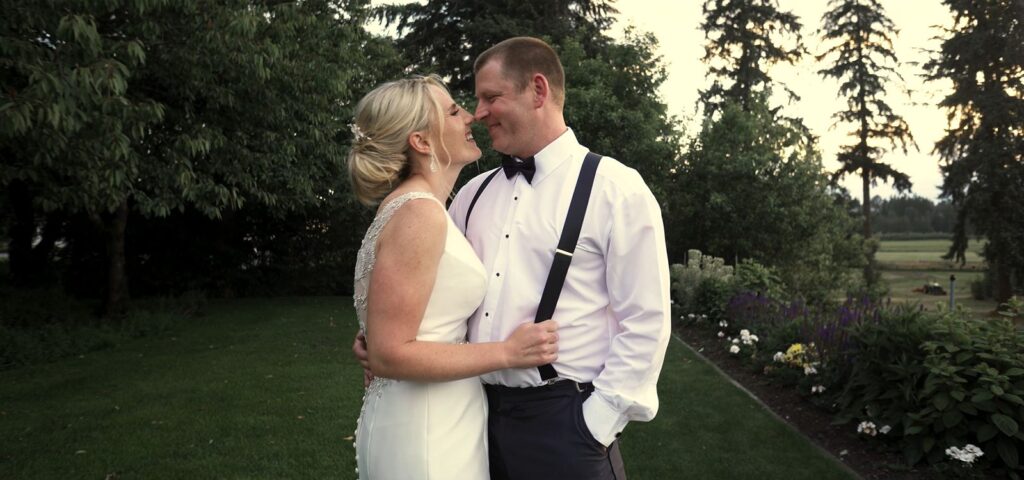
(512, 165)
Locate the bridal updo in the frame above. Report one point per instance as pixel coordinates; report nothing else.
(384, 119)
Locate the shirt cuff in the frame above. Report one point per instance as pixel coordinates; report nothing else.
(603, 421)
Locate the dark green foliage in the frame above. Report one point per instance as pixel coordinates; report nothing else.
(751, 276)
(753, 188)
(745, 38)
(711, 297)
(984, 142)
(940, 383)
(167, 108)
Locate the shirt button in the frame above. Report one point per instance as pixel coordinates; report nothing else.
(497, 274)
(515, 198)
(487, 314)
(506, 235)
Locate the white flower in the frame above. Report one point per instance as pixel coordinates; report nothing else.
(735, 341)
(671, 302)
(968, 454)
(779, 357)
(867, 428)
(753, 338)
(818, 389)
(810, 370)
(744, 333)
(691, 316)
(357, 133)
(885, 429)
(722, 323)
(734, 349)
(721, 334)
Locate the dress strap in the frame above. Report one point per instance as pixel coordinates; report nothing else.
(391, 207)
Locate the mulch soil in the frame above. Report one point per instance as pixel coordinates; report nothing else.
(842, 441)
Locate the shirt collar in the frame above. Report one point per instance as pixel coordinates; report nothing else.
(556, 153)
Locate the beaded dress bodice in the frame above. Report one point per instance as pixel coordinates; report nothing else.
(457, 291)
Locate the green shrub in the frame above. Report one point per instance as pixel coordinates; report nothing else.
(973, 392)
(687, 278)
(886, 368)
(939, 383)
(751, 276)
(711, 298)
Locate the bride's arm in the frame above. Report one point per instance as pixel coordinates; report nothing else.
(408, 254)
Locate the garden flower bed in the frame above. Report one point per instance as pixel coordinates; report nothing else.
(892, 390)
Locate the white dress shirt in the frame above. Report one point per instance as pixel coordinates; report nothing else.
(613, 312)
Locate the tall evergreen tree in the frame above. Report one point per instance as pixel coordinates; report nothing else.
(860, 37)
(983, 149)
(745, 38)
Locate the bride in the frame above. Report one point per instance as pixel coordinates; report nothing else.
(417, 280)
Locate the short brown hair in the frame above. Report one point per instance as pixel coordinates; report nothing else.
(521, 57)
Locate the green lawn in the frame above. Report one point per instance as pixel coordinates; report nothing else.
(910, 264)
(925, 254)
(266, 388)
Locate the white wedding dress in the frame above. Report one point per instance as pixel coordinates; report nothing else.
(418, 430)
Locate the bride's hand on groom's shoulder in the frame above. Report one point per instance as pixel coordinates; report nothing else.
(532, 344)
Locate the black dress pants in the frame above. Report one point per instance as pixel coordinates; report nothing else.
(538, 433)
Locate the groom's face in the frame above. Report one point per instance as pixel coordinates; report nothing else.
(504, 109)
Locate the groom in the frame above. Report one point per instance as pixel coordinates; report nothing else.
(613, 311)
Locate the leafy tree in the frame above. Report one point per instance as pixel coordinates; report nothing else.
(860, 37)
(745, 38)
(158, 106)
(984, 142)
(754, 188)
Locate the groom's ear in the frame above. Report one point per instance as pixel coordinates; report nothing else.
(541, 90)
(420, 142)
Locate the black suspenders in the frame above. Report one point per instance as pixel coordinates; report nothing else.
(566, 244)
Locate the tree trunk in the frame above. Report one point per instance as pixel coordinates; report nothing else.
(23, 230)
(870, 275)
(117, 281)
(1002, 289)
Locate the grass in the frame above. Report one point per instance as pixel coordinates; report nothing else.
(910, 264)
(266, 388)
(925, 255)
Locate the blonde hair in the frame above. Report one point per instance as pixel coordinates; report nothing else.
(384, 119)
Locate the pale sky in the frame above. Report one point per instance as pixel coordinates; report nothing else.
(676, 24)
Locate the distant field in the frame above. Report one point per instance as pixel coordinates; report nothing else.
(910, 264)
(926, 255)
